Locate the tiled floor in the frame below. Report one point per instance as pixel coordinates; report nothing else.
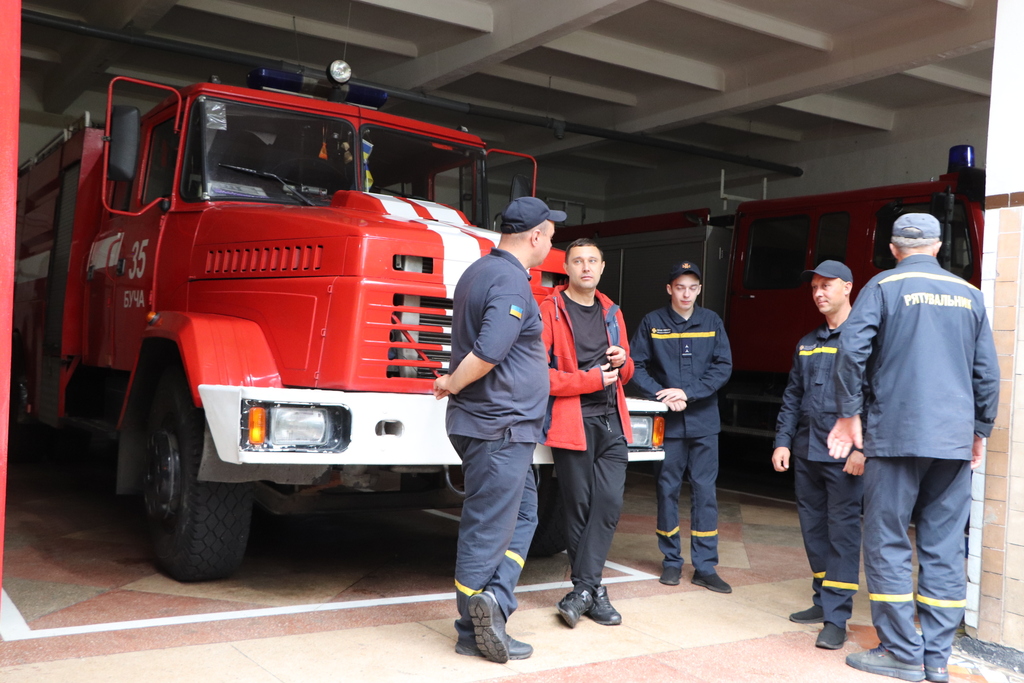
(367, 597)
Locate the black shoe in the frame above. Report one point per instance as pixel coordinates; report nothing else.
(831, 637)
(939, 674)
(712, 581)
(517, 649)
(884, 663)
(670, 576)
(602, 611)
(574, 605)
(812, 615)
(489, 627)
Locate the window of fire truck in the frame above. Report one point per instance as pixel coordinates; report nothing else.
(408, 165)
(955, 257)
(243, 152)
(776, 252)
(163, 152)
(833, 229)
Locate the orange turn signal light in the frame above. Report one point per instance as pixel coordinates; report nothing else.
(258, 425)
(658, 437)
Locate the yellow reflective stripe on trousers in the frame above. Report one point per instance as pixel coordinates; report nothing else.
(668, 533)
(941, 603)
(819, 575)
(928, 276)
(518, 559)
(840, 584)
(682, 335)
(704, 533)
(820, 349)
(468, 591)
(884, 597)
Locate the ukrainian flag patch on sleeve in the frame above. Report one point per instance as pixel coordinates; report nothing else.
(516, 311)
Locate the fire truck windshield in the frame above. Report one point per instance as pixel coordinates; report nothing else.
(242, 152)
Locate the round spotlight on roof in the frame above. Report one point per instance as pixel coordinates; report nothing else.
(339, 71)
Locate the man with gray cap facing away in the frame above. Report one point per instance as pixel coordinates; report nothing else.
(497, 399)
(828, 493)
(917, 357)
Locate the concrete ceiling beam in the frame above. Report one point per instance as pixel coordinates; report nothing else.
(758, 22)
(758, 128)
(561, 84)
(465, 13)
(952, 79)
(844, 109)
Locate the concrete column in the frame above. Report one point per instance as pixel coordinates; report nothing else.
(996, 555)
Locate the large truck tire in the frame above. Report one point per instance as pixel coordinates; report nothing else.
(550, 535)
(199, 529)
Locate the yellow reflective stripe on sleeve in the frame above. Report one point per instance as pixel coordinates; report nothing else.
(819, 575)
(704, 533)
(468, 591)
(840, 584)
(941, 603)
(518, 559)
(927, 276)
(883, 597)
(668, 533)
(823, 349)
(682, 335)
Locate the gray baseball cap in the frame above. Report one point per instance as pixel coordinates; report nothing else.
(918, 226)
(829, 269)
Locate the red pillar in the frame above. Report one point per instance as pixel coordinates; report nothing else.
(10, 96)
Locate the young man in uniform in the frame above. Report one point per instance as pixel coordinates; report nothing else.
(917, 357)
(682, 358)
(589, 424)
(828, 493)
(497, 396)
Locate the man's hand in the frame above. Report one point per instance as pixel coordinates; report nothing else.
(780, 459)
(977, 452)
(441, 387)
(845, 436)
(616, 356)
(611, 375)
(855, 464)
(675, 399)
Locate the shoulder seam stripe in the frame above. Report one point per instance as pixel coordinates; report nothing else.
(927, 276)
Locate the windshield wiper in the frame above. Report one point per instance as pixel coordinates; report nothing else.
(266, 174)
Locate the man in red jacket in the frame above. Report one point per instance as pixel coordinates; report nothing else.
(589, 361)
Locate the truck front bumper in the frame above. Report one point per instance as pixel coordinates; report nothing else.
(363, 428)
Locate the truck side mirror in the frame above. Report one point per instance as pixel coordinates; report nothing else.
(124, 143)
(521, 187)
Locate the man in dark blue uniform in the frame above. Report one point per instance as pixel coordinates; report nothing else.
(682, 358)
(497, 398)
(828, 493)
(916, 355)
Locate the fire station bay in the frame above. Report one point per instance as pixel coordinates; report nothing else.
(278, 407)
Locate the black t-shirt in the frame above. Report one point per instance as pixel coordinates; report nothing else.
(591, 341)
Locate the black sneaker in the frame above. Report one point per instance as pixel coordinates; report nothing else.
(831, 637)
(489, 627)
(670, 576)
(884, 663)
(517, 649)
(574, 605)
(602, 611)
(812, 615)
(711, 581)
(938, 674)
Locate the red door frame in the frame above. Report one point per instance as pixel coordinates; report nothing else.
(10, 96)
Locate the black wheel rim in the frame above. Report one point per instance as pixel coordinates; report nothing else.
(163, 478)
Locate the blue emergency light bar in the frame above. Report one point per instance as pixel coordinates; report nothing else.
(288, 81)
(960, 156)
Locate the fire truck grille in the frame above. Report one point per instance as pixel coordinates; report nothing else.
(421, 337)
(290, 258)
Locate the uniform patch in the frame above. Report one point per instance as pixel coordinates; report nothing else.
(516, 311)
(660, 330)
(930, 299)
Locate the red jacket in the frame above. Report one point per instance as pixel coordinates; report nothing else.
(568, 382)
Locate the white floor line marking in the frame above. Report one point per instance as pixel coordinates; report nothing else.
(445, 515)
(12, 625)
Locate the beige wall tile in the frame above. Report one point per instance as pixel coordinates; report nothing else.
(1014, 528)
(1006, 364)
(1004, 318)
(1000, 440)
(995, 512)
(989, 630)
(1003, 414)
(1008, 269)
(997, 463)
(992, 559)
(992, 587)
(994, 536)
(1016, 492)
(990, 609)
(1009, 220)
(1005, 294)
(996, 487)
(1008, 244)
(1005, 343)
(1013, 596)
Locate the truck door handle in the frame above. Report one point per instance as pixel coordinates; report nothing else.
(120, 267)
(744, 296)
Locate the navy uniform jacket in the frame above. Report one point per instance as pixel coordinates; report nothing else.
(920, 337)
(496, 317)
(808, 410)
(692, 355)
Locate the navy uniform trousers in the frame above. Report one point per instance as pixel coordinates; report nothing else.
(696, 459)
(499, 517)
(828, 502)
(936, 494)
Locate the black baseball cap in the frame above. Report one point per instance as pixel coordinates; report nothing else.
(526, 213)
(829, 269)
(682, 269)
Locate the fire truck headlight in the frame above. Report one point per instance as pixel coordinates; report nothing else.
(339, 71)
(299, 426)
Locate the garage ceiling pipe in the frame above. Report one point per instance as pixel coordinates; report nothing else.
(559, 126)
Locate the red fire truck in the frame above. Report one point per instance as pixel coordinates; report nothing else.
(253, 288)
(752, 262)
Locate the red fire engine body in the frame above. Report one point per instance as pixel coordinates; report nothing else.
(258, 303)
(752, 263)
